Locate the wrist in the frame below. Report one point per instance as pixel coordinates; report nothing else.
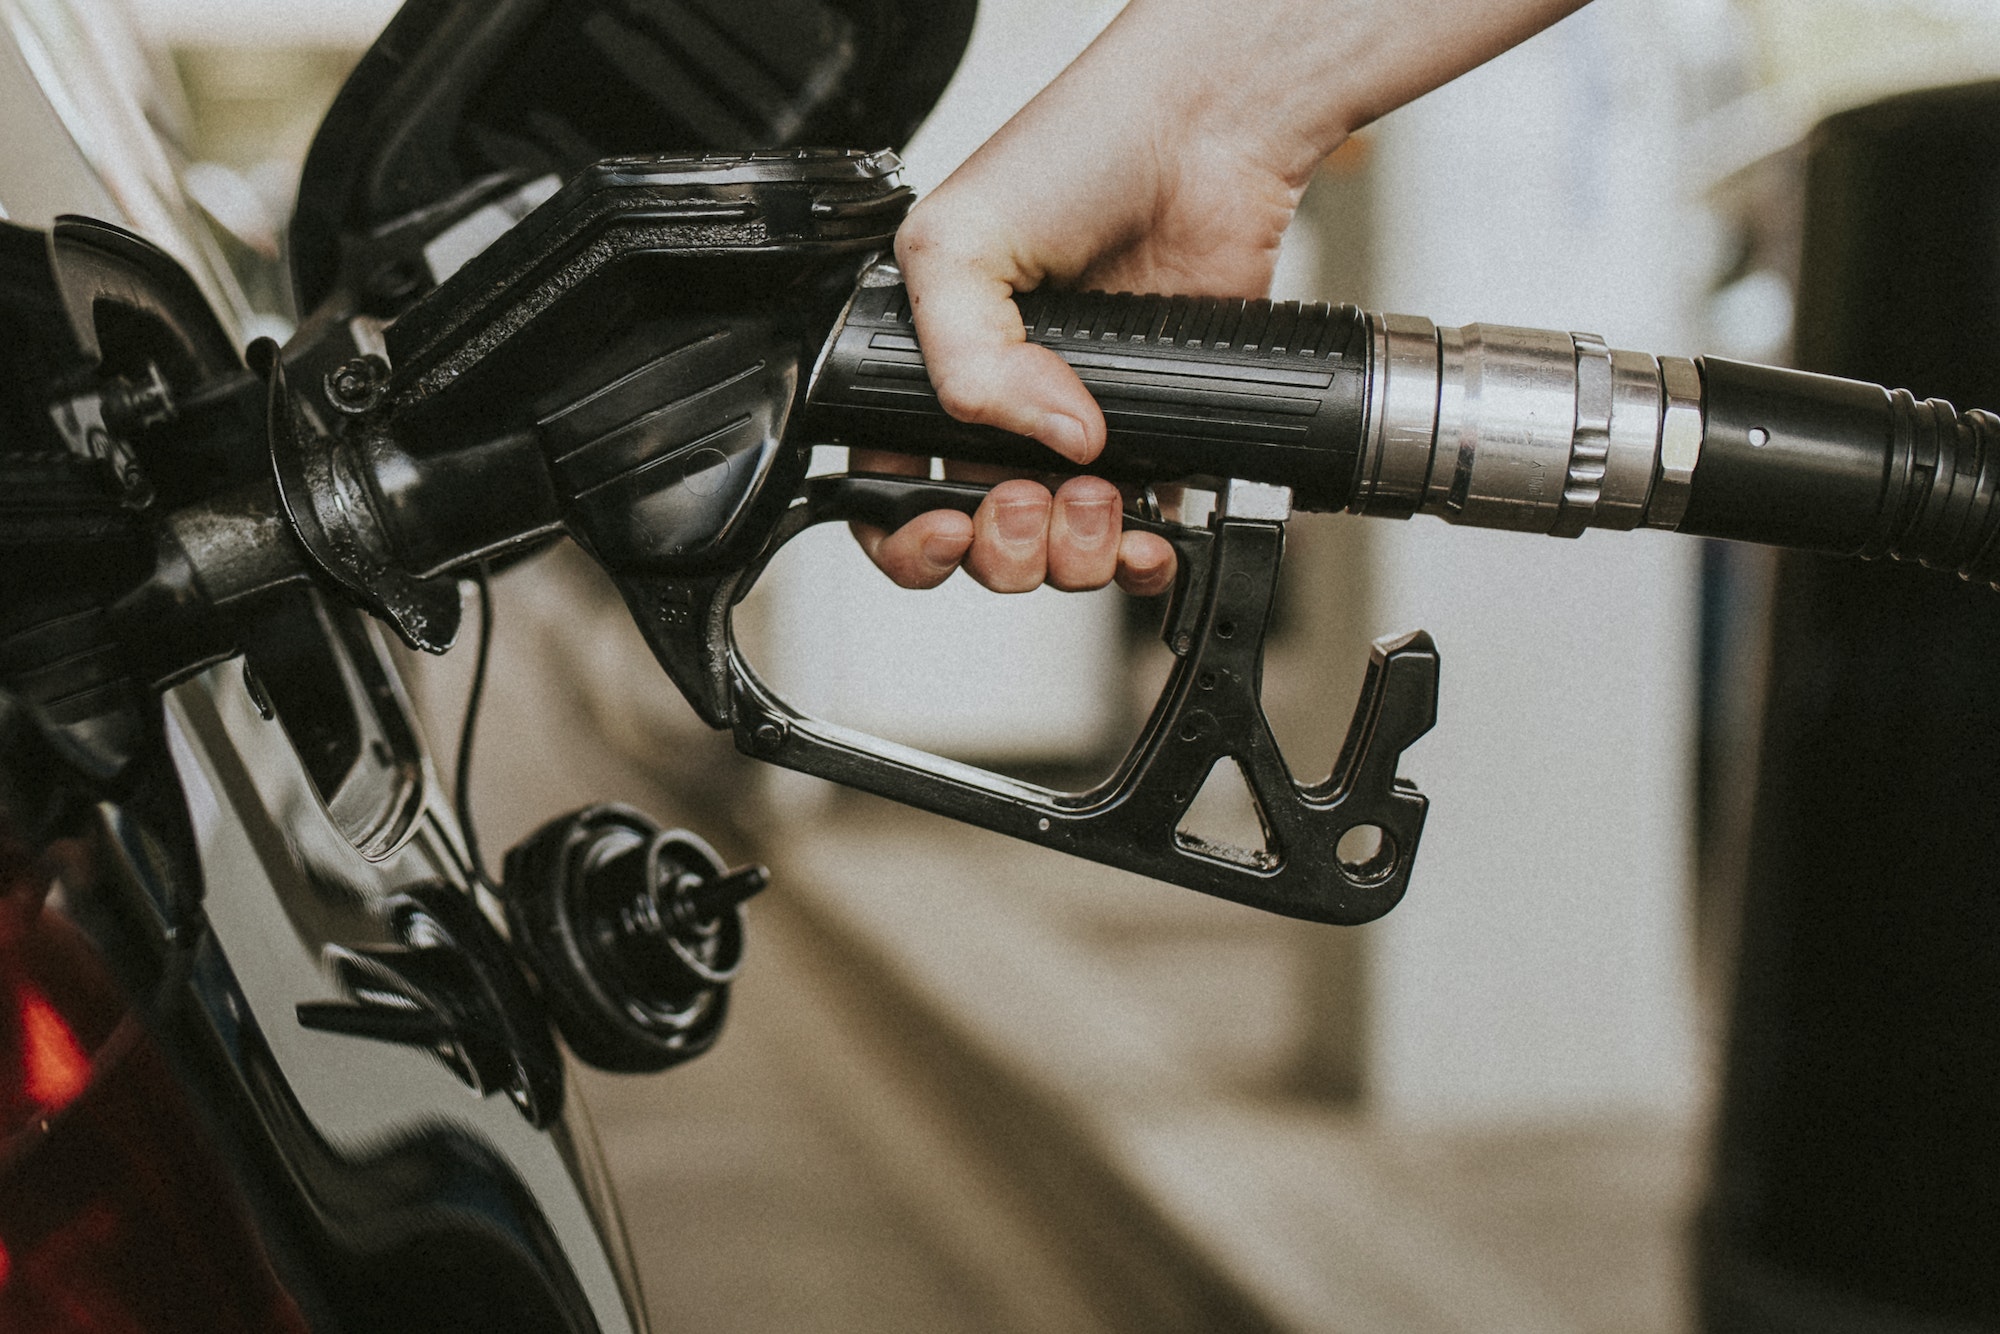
(1264, 78)
(1296, 77)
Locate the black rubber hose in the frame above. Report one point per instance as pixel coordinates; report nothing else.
(1794, 459)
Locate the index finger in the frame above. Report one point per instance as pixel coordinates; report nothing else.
(981, 363)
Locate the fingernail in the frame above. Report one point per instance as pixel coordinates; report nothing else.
(1088, 520)
(941, 551)
(1020, 520)
(1062, 434)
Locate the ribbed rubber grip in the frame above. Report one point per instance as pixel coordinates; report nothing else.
(1800, 460)
(1945, 480)
(1193, 389)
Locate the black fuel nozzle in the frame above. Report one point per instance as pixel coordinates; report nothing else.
(648, 362)
(634, 932)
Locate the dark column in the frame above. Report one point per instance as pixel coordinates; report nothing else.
(1856, 1176)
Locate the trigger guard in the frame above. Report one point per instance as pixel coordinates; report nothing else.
(1210, 710)
(686, 618)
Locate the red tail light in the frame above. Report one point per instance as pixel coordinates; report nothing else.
(116, 1214)
(54, 1068)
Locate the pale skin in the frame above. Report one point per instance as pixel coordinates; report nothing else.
(1168, 157)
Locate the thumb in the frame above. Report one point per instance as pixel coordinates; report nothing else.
(981, 364)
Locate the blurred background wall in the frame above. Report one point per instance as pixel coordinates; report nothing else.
(1484, 1112)
(1544, 970)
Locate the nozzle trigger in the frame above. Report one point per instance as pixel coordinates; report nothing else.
(1337, 850)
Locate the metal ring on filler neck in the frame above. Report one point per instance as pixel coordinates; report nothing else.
(1590, 440)
(1527, 429)
(1636, 404)
(1680, 443)
(1403, 423)
(1506, 419)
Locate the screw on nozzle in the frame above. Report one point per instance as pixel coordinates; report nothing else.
(709, 899)
(355, 386)
(131, 406)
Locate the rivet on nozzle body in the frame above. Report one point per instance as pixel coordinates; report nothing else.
(356, 385)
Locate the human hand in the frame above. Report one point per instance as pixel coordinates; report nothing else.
(1168, 158)
(1160, 193)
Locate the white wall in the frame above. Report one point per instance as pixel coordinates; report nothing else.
(346, 23)
(1539, 966)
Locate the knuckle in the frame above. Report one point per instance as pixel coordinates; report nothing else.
(930, 233)
(918, 232)
(968, 396)
(1019, 491)
(1082, 571)
(892, 559)
(1090, 490)
(1004, 576)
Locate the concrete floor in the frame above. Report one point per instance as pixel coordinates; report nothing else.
(1307, 1214)
(960, 1092)
(791, 1178)
(750, 1200)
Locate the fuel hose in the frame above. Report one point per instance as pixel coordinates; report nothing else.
(1491, 426)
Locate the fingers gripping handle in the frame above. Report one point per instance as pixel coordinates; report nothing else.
(1191, 388)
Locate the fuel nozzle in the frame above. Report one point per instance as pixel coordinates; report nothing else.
(1527, 429)
(634, 932)
(1547, 432)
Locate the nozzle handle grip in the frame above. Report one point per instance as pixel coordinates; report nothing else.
(1196, 389)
